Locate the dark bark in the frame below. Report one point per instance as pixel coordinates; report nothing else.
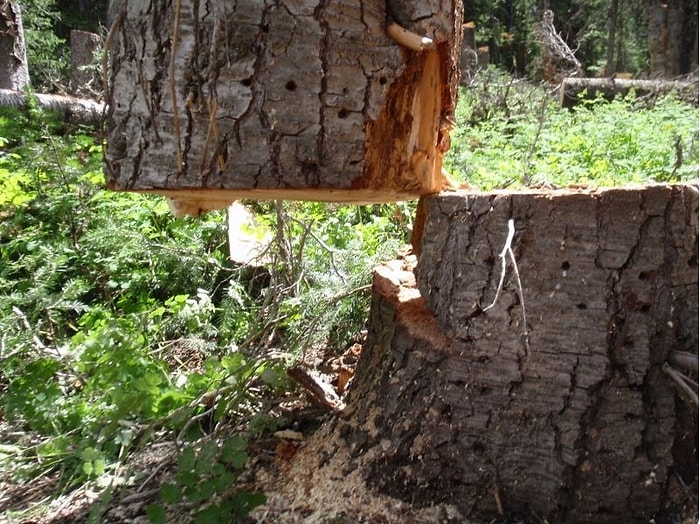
(567, 416)
(665, 30)
(573, 89)
(612, 29)
(14, 72)
(211, 101)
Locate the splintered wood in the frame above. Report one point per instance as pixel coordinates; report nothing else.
(341, 101)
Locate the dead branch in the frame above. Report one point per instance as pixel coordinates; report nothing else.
(684, 359)
(680, 380)
(555, 48)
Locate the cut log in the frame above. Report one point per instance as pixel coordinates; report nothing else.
(572, 90)
(339, 101)
(552, 403)
(75, 110)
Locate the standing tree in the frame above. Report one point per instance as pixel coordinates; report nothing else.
(612, 32)
(665, 37)
(14, 73)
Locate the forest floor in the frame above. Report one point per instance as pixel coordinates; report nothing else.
(297, 486)
(306, 474)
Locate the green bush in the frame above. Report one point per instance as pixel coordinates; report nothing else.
(514, 134)
(98, 289)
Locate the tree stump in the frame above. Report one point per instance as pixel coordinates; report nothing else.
(339, 101)
(83, 46)
(553, 402)
(469, 60)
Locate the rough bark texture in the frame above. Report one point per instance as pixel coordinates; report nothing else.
(665, 36)
(567, 416)
(210, 101)
(14, 72)
(572, 89)
(83, 46)
(612, 33)
(469, 60)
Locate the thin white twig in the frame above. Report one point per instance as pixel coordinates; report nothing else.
(508, 250)
(502, 256)
(684, 359)
(526, 340)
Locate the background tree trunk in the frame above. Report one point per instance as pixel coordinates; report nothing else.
(84, 80)
(14, 72)
(665, 37)
(469, 60)
(554, 402)
(612, 29)
(211, 101)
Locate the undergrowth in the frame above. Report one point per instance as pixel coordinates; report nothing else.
(121, 324)
(511, 133)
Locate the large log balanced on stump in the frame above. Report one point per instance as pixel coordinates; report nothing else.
(210, 101)
(555, 401)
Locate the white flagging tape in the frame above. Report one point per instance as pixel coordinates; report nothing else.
(508, 250)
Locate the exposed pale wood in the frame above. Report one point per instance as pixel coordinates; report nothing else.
(265, 100)
(569, 418)
(194, 202)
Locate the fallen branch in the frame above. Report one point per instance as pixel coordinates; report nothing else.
(680, 380)
(684, 359)
(572, 90)
(320, 390)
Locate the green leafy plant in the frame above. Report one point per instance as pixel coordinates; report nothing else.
(120, 321)
(203, 479)
(515, 135)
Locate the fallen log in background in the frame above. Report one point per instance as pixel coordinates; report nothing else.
(573, 90)
(554, 401)
(73, 110)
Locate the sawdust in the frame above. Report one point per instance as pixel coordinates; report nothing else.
(323, 483)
